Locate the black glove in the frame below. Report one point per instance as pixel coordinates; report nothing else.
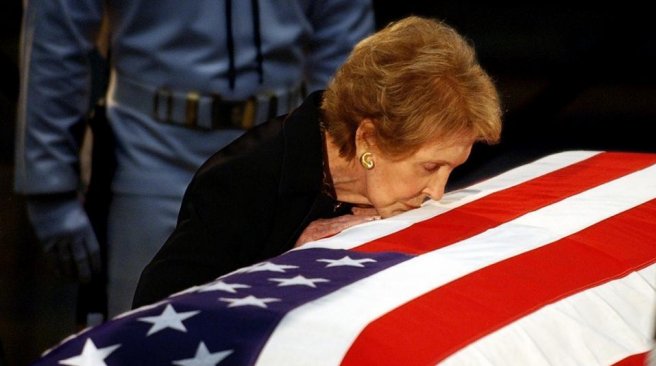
(63, 228)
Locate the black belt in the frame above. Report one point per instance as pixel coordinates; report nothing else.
(201, 111)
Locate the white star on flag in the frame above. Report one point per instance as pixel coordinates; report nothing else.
(249, 300)
(268, 266)
(222, 286)
(168, 319)
(298, 280)
(346, 261)
(90, 355)
(203, 357)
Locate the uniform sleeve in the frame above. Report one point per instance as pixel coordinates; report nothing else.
(57, 36)
(338, 25)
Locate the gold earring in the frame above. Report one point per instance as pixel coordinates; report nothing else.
(367, 161)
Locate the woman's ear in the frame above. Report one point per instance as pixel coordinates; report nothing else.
(365, 135)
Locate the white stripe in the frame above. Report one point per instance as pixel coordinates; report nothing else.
(598, 326)
(321, 331)
(360, 234)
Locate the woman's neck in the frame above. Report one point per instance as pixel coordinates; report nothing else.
(347, 175)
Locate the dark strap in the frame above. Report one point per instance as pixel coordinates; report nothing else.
(255, 8)
(232, 74)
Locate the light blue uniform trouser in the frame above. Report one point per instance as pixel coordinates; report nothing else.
(138, 226)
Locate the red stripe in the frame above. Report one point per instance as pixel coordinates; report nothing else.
(433, 326)
(636, 360)
(490, 211)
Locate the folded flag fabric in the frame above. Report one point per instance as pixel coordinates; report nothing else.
(553, 262)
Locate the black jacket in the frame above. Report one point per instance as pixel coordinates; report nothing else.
(250, 201)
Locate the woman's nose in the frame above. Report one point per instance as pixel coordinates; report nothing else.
(435, 189)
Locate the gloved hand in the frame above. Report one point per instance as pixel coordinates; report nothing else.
(63, 228)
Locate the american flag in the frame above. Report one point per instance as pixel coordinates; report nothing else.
(553, 262)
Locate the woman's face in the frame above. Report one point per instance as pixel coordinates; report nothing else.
(394, 186)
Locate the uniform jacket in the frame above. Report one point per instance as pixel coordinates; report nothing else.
(247, 203)
(183, 45)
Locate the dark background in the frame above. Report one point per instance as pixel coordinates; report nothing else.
(569, 78)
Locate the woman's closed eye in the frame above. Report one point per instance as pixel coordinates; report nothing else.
(431, 167)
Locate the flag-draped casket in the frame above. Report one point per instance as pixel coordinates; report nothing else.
(553, 262)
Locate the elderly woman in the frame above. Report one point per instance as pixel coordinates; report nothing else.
(401, 113)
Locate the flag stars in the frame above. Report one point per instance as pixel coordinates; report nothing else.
(203, 357)
(222, 286)
(168, 319)
(346, 261)
(269, 266)
(298, 281)
(90, 355)
(249, 300)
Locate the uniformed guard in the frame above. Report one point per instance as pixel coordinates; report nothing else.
(187, 78)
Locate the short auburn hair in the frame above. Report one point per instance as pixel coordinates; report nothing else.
(417, 80)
